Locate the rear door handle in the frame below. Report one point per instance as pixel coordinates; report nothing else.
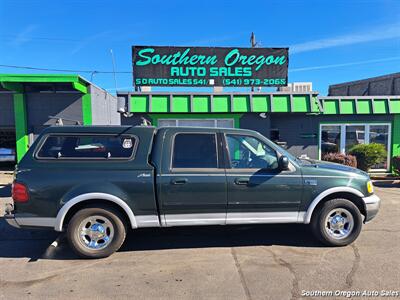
(242, 181)
(179, 181)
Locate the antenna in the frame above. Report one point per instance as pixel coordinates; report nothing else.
(113, 62)
(254, 44)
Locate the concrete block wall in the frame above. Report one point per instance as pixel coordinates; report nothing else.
(6, 110)
(40, 106)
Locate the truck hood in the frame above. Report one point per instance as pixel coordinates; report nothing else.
(320, 164)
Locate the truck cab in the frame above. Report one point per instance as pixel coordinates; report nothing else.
(95, 182)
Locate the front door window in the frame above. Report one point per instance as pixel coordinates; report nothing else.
(246, 152)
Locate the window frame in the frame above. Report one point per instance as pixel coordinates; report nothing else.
(173, 169)
(45, 137)
(228, 154)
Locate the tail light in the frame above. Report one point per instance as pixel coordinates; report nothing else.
(19, 192)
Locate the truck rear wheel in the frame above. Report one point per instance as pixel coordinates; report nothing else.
(96, 232)
(337, 222)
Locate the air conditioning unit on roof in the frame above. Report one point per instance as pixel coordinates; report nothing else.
(298, 87)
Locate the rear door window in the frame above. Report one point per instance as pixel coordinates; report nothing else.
(88, 147)
(195, 150)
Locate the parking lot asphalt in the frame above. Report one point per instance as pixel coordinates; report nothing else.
(225, 262)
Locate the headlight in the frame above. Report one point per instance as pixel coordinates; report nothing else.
(370, 187)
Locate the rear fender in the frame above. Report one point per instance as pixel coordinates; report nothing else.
(93, 196)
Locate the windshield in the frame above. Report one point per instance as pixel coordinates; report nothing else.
(290, 156)
(287, 154)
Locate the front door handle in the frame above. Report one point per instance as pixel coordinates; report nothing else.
(179, 181)
(242, 181)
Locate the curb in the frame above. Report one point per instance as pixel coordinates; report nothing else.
(387, 183)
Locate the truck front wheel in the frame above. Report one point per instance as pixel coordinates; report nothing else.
(337, 222)
(96, 232)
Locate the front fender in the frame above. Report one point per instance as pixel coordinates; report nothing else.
(322, 195)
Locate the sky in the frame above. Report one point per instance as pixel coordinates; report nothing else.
(329, 41)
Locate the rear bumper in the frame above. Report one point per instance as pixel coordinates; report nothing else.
(10, 219)
(26, 221)
(372, 204)
(18, 221)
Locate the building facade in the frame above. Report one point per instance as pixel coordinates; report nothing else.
(29, 103)
(303, 122)
(387, 85)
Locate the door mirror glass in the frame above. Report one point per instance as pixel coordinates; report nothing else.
(283, 163)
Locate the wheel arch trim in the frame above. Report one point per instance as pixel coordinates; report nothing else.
(322, 195)
(93, 196)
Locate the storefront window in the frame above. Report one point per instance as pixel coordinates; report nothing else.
(342, 137)
(220, 123)
(354, 135)
(166, 123)
(330, 139)
(196, 123)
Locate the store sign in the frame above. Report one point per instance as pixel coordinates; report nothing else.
(205, 66)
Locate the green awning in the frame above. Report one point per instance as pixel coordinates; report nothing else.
(346, 105)
(14, 81)
(156, 102)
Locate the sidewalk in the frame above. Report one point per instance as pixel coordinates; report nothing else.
(6, 177)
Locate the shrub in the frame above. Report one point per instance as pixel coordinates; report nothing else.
(340, 158)
(396, 165)
(368, 155)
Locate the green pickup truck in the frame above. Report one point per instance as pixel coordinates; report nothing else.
(96, 182)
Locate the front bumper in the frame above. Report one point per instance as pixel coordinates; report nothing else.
(372, 204)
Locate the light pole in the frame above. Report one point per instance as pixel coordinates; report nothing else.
(253, 44)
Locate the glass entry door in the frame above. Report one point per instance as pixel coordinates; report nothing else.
(342, 137)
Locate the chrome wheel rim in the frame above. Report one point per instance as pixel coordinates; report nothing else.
(339, 223)
(96, 232)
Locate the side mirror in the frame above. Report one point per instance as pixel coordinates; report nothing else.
(283, 162)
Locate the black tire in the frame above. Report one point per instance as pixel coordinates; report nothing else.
(114, 220)
(322, 229)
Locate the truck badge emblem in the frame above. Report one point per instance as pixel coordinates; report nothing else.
(127, 144)
(310, 181)
(144, 175)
